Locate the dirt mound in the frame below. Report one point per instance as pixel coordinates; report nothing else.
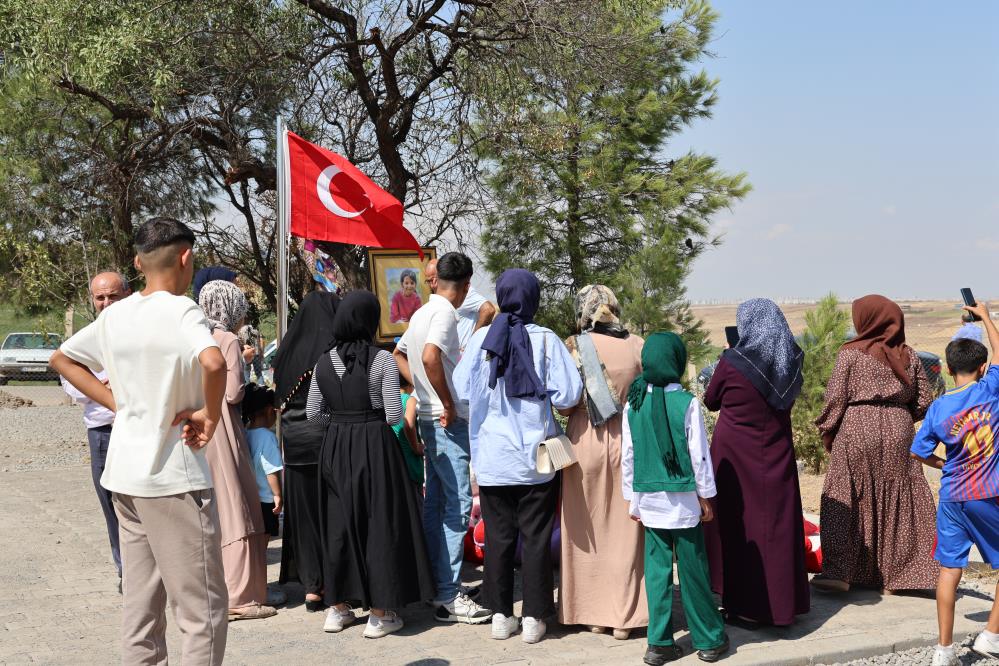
(8, 401)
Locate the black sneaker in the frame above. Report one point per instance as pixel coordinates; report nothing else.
(714, 654)
(462, 609)
(657, 655)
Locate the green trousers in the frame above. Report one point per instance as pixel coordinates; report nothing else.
(707, 629)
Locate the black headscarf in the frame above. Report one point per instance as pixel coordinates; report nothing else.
(354, 327)
(308, 336)
(519, 295)
(209, 273)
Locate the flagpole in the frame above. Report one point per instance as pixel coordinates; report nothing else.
(282, 231)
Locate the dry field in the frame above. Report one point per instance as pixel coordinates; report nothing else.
(929, 325)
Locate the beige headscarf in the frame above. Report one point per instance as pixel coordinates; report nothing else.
(597, 304)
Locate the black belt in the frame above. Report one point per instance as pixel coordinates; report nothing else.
(103, 428)
(359, 416)
(875, 403)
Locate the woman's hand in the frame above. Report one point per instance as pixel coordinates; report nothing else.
(707, 515)
(827, 441)
(249, 353)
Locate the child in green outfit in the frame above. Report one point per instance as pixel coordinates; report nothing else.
(409, 438)
(666, 474)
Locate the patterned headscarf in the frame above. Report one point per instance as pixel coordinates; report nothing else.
(224, 304)
(767, 354)
(597, 309)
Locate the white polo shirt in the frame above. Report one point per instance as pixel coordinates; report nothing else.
(149, 346)
(435, 323)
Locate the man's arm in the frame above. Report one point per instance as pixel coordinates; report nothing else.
(982, 310)
(201, 423)
(930, 461)
(80, 376)
(486, 315)
(402, 361)
(434, 366)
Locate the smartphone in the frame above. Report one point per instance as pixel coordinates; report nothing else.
(732, 336)
(969, 299)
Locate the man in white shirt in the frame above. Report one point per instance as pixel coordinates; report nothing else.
(106, 288)
(169, 379)
(427, 355)
(474, 312)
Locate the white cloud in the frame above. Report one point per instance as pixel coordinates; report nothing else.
(778, 230)
(987, 244)
(890, 210)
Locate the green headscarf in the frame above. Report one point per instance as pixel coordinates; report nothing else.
(659, 438)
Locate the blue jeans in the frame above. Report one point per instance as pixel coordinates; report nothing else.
(99, 438)
(447, 506)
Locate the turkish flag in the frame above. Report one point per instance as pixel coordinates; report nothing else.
(331, 200)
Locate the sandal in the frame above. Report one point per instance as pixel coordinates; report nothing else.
(251, 612)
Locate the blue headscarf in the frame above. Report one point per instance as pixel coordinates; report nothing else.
(511, 357)
(767, 354)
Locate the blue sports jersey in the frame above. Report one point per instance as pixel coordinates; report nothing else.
(964, 421)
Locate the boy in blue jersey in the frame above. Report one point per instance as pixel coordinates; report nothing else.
(964, 420)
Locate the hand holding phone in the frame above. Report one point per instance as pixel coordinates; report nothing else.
(970, 303)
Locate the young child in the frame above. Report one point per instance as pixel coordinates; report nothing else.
(409, 438)
(666, 474)
(964, 420)
(169, 381)
(260, 416)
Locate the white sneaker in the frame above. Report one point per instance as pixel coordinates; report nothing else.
(987, 645)
(462, 609)
(533, 630)
(946, 656)
(504, 626)
(382, 626)
(337, 620)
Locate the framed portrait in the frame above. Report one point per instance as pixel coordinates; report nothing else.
(398, 279)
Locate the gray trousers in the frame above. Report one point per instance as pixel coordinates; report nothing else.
(99, 438)
(171, 547)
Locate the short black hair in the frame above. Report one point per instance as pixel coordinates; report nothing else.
(160, 232)
(454, 267)
(965, 356)
(255, 399)
(408, 273)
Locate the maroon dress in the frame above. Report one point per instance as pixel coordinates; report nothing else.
(756, 542)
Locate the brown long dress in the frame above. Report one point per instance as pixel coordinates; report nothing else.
(603, 580)
(878, 518)
(244, 541)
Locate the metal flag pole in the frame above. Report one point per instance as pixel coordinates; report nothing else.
(282, 230)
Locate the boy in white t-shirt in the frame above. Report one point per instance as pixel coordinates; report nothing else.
(168, 381)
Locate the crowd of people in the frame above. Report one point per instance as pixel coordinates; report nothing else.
(384, 453)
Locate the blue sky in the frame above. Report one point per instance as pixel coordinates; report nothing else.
(870, 133)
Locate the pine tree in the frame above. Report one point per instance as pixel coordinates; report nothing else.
(577, 167)
(826, 330)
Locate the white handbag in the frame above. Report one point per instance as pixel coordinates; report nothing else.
(556, 452)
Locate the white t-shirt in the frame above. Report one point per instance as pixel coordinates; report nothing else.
(95, 415)
(149, 346)
(436, 323)
(468, 316)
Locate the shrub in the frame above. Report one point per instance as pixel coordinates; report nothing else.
(825, 333)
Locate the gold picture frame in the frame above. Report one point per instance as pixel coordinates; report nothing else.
(390, 272)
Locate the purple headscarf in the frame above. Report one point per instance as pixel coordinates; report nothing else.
(511, 357)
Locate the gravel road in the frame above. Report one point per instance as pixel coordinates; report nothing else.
(42, 437)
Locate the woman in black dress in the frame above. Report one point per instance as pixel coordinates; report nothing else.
(310, 334)
(374, 551)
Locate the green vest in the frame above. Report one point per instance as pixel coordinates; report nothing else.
(659, 443)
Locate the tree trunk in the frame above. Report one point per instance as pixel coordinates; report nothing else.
(574, 224)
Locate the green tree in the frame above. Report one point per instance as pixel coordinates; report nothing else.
(826, 329)
(576, 155)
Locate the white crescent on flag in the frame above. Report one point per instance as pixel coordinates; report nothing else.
(323, 190)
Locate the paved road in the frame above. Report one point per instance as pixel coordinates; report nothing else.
(59, 604)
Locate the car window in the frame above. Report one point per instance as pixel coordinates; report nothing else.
(32, 341)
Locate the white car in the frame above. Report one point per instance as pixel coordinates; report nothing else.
(25, 356)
